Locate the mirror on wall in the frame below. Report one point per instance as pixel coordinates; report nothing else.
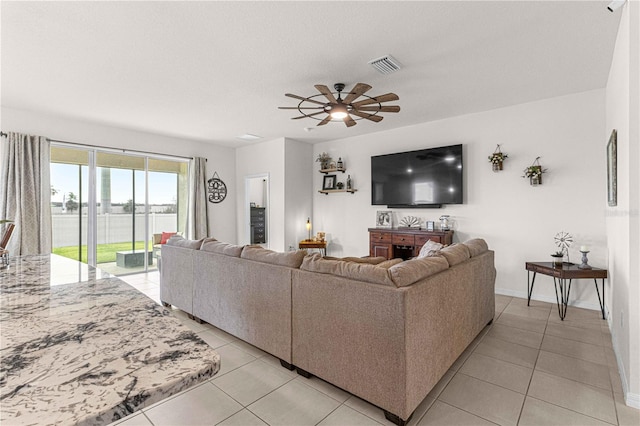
(257, 209)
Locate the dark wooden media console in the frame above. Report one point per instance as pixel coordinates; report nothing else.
(403, 242)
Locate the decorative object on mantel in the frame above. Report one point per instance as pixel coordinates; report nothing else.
(534, 172)
(338, 109)
(497, 158)
(444, 222)
(563, 242)
(324, 159)
(410, 222)
(217, 189)
(384, 219)
(585, 262)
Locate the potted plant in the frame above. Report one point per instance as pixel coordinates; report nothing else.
(558, 257)
(497, 158)
(324, 159)
(534, 172)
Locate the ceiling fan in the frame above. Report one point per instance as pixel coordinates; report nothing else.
(338, 109)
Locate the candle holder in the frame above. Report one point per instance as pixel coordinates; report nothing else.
(584, 264)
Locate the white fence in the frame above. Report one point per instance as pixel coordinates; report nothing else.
(112, 228)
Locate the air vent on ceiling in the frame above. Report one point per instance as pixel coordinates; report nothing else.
(386, 64)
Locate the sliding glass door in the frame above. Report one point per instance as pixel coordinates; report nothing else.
(126, 202)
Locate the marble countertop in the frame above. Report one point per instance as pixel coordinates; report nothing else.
(79, 346)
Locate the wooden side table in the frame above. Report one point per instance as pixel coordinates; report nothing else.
(568, 271)
(320, 245)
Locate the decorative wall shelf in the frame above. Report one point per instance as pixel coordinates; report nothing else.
(340, 169)
(331, 191)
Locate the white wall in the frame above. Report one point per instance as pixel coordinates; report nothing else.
(518, 221)
(622, 223)
(222, 216)
(298, 190)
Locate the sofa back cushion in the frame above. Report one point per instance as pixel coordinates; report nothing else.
(476, 246)
(179, 241)
(222, 248)
(430, 248)
(291, 259)
(368, 259)
(352, 270)
(455, 253)
(411, 271)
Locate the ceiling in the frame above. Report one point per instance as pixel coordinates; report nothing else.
(212, 71)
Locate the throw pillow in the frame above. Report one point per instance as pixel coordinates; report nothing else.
(430, 248)
(166, 236)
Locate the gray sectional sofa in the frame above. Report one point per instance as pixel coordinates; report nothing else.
(386, 331)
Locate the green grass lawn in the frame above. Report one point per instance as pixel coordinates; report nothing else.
(105, 253)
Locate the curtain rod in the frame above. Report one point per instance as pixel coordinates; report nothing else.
(110, 147)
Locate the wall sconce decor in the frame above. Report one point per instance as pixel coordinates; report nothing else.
(497, 158)
(534, 172)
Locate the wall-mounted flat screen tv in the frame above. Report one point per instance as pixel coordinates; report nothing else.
(424, 178)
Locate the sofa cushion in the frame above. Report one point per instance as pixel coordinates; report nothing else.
(476, 246)
(178, 241)
(222, 248)
(389, 263)
(291, 259)
(411, 271)
(368, 259)
(164, 237)
(455, 253)
(430, 248)
(352, 270)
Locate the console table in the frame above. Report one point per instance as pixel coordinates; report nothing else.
(403, 242)
(568, 271)
(320, 245)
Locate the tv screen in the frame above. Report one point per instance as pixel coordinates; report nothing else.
(423, 178)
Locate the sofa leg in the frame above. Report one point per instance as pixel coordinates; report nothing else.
(490, 322)
(166, 305)
(286, 365)
(395, 419)
(196, 319)
(304, 373)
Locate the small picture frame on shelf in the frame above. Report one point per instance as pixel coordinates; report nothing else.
(384, 219)
(252, 204)
(431, 226)
(329, 182)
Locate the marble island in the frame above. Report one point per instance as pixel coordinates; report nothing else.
(79, 346)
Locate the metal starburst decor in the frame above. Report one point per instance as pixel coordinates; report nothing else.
(563, 241)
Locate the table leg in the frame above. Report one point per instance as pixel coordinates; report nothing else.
(563, 289)
(599, 300)
(530, 286)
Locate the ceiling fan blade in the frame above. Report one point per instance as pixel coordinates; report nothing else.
(384, 108)
(318, 107)
(349, 121)
(378, 99)
(376, 118)
(326, 92)
(325, 121)
(308, 115)
(355, 93)
(303, 99)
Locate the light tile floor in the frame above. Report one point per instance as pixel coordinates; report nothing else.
(527, 368)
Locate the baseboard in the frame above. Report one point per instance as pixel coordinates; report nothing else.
(630, 399)
(523, 295)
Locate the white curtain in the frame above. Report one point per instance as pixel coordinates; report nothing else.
(198, 216)
(25, 192)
